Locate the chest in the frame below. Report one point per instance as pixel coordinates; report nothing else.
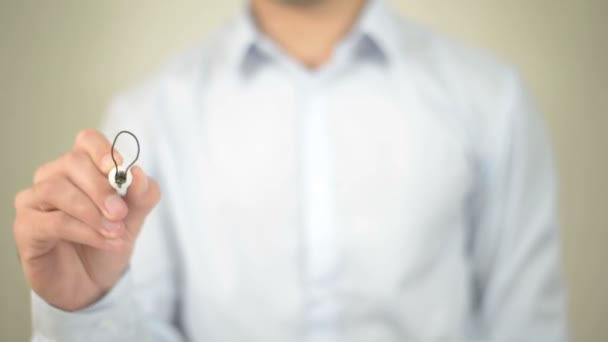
(401, 176)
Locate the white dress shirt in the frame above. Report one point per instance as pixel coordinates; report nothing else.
(402, 192)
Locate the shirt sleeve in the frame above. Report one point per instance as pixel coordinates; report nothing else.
(515, 247)
(143, 305)
(111, 318)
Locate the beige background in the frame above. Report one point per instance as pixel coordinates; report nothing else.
(60, 62)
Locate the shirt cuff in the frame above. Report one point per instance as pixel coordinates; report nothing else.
(112, 318)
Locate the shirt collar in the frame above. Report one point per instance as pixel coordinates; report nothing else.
(375, 35)
(378, 27)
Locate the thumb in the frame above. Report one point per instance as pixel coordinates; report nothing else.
(142, 197)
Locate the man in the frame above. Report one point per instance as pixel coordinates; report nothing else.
(329, 172)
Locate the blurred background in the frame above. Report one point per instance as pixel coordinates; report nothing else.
(61, 62)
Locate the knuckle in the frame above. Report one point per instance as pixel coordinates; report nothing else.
(76, 157)
(45, 189)
(84, 135)
(17, 224)
(42, 172)
(21, 225)
(20, 199)
(18, 235)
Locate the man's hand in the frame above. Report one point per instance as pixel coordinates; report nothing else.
(74, 233)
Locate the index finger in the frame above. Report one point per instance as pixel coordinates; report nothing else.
(98, 148)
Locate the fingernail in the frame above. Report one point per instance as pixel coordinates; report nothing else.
(111, 229)
(115, 205)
